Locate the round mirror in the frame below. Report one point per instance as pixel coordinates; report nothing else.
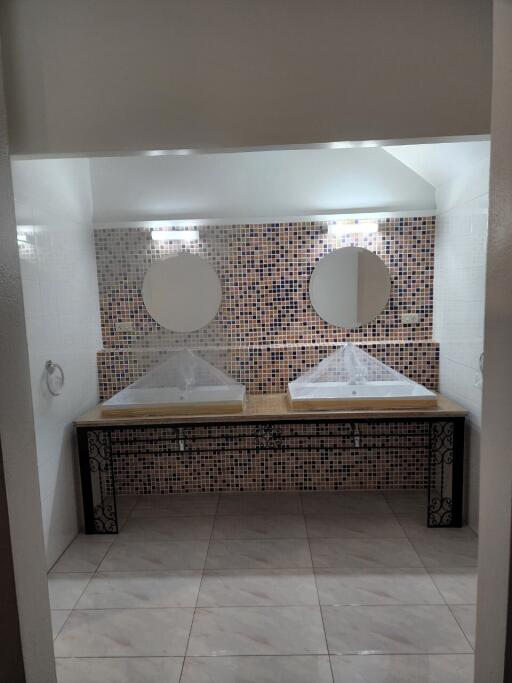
(182, 293)
(349, 287)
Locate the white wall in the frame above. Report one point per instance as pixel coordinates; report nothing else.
(129, 75)
(58, 268)
(459, 303)
(19, 449)
(251, 185)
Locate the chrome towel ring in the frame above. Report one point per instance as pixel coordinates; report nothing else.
(54, 378)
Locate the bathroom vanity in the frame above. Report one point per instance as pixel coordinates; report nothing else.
(271, 435)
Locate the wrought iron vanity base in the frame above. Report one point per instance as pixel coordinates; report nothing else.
(443, 440)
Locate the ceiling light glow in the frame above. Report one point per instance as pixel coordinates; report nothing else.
(175, 235)
(339, 229)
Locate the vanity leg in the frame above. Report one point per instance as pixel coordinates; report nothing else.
(97, 479)
(445, 472)
(458, 470)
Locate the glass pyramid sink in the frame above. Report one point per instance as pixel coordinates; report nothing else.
(352, 379)
(184, 384)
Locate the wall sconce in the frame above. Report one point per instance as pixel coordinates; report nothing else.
(175, 235)
(339, 229)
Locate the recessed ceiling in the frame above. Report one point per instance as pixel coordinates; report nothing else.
(255, 185)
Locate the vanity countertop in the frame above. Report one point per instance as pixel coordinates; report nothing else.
(272, 408)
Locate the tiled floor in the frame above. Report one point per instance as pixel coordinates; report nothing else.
(251, 588)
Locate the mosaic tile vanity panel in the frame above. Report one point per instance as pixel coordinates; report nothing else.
(376, 457)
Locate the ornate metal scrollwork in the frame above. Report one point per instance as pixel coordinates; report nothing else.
(100, 465)
(105, 519)
(442, 442)
(440, 506)
(268, 436)
(440, 511)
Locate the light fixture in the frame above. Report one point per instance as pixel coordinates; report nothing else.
(175, 235)
(25, 234)
(353, 228)
(167, 152)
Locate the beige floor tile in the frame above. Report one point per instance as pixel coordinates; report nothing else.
(168, 528)
(246, 562)
(259, 669)
(403, 668)
(353, 525)
(406, 502)
(457, 585)
(256, 630)
(66, 589)
(200, 504)
(125, 633)
(253, 587)
(155, 556)
(110, 590)
(322, 503)
(59, 617)
(440, 550)
(383, 586)
(119, 670)
(253, 554)
(363, 552)
(424, 629)
(84, 554)
(259, 504)
(259, 526)
(466, 616)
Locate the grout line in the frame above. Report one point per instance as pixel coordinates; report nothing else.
(460, 625)
(96, 571)
(90, 574)
(85, 588)
(360, 653)
(453, 569)
(63, 623)
(199, 588)
(271, 607)
(317, 594)
(397, 518)
(360, 537)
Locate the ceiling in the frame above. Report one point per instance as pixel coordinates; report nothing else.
(246, 187)
(438, 163)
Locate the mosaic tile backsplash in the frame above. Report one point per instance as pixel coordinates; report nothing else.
(266, 334)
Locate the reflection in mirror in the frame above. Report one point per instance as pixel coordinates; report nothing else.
(182, 293)
(349, 287)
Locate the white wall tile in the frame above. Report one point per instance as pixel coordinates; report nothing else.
(459, 305)
(62, 315)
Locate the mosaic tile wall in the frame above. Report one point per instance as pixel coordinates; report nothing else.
(265, 271)
(266, 334)
(150, 462)
(266, 322)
